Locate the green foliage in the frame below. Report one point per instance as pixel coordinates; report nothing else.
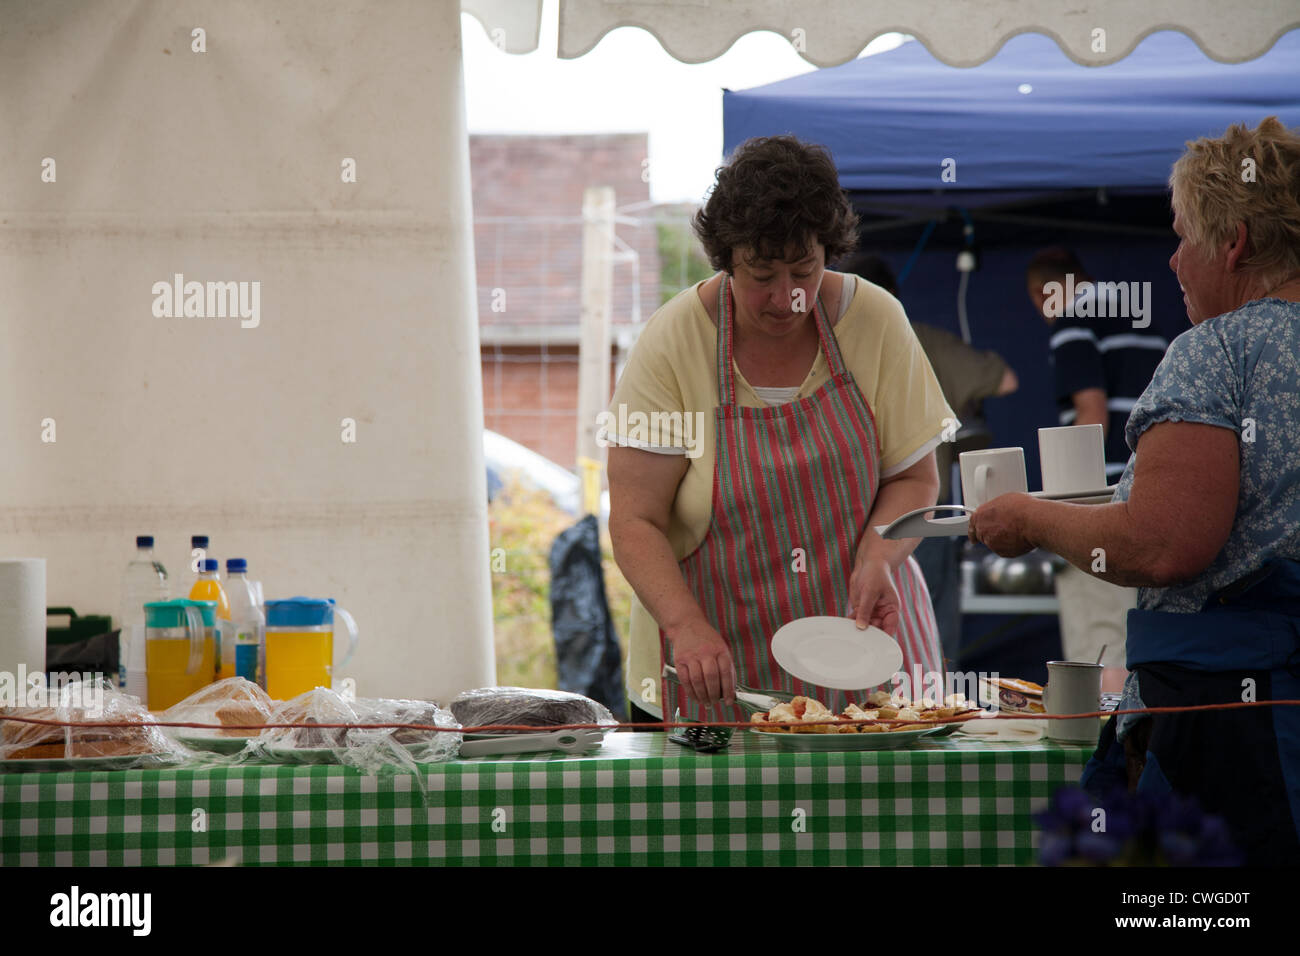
(524, 524)
(682, 261)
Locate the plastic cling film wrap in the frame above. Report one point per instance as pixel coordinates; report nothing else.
(94, 703)
(377, 748)
(306, 711)
(528, 706)
(231, 702)
(367, 748)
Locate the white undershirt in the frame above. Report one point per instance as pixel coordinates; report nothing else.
(786, 394)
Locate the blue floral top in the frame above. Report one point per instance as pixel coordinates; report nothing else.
(1240, 370)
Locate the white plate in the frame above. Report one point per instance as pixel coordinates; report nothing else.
(57, 764)
(284, 754)
(832, 652)
(879, 741)
(537, 731)
(213, 744)
(323, 755)
(484, 745)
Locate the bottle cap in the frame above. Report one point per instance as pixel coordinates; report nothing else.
(211, 564)
(236, 564)
(199, 541)
(144, 541)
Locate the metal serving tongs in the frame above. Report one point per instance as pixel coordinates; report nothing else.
(750, 700)
(709, 739)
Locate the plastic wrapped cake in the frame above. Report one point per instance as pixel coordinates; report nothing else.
(529, 707)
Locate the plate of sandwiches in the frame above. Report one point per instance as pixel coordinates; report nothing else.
(807, 724)
(230, 739)
(40, 748)
(239, 706)
(312, 741)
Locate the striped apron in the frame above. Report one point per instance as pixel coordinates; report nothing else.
(792, 489)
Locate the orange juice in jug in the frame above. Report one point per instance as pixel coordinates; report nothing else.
(179, 649)
(300, 645)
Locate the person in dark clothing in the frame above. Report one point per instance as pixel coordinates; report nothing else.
(1103, 356)
(967, 376)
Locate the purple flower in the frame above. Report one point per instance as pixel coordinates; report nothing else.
(1134, 826)
(1099, 847)
(1217, 848)
(1055, 849)
(1178, 849)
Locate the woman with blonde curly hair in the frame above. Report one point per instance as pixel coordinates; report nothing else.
(1206, 519)
(805, 413)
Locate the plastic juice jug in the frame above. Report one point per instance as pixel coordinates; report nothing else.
(248, 626)
(208, 588)
(300, 645)
(179, 649)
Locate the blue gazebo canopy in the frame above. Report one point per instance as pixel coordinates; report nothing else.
(1028, 120)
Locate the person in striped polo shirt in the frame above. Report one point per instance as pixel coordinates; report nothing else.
(1103, 356)
(1103, 350)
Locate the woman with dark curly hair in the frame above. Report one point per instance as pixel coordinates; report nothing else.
(769, 417)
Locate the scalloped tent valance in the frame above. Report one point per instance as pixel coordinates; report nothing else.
(957, 32)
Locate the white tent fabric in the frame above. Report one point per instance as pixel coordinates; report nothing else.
(229, 165)
(513, 25)
(332, 434)
(958, 32)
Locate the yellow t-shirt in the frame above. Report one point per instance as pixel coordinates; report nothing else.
(666, 398)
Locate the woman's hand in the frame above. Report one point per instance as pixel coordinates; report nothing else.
(1001, 525)
(872, 595)
(703, 662)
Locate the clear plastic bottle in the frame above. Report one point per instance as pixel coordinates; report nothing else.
(208, 588)
(145, 580)
(248, 625)
(198, 552)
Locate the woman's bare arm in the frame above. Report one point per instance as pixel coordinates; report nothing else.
(874, 599)
(1177, 519)
(642, 487)
(912, 488)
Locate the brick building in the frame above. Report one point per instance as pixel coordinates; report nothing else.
(528, 193)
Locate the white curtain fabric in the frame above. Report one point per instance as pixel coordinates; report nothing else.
(229, 166)
(958, 32)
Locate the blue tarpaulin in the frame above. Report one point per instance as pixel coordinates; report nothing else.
(890, 120)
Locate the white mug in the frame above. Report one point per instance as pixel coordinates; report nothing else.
(1073, 459)
(1073, 687)
(991, 472)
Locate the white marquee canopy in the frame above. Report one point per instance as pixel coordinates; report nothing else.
(320, 150)
(958, 32)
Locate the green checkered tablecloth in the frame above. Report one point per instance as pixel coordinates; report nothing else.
(640, 799)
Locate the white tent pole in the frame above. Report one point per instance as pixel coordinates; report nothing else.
(460, 649)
